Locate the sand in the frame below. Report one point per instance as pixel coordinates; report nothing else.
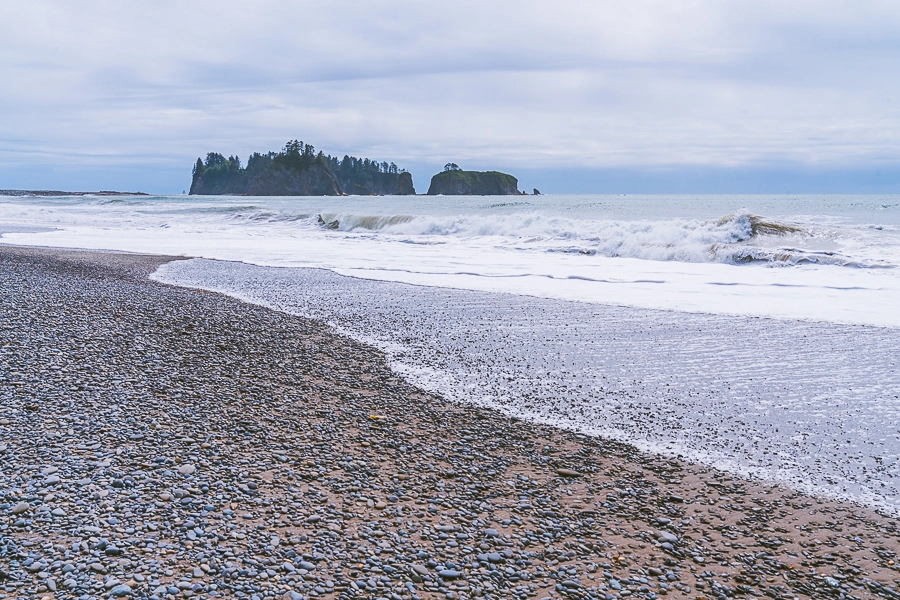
(166, 442)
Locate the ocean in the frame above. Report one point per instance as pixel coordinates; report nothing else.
(757, 334)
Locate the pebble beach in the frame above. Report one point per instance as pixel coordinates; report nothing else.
(164, 442)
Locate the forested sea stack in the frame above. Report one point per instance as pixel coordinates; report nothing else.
(298, 170)
(453, 181)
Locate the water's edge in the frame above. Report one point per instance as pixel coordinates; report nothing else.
(808, 458)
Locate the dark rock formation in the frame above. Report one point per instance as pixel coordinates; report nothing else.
(405, 185)
(284, 181)
(216, 186)
(298, 171)
(275, 180)
(375, 184)
(333, 224)
(473, 183)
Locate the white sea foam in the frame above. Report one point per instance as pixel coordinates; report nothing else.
(737, 238)
(837, 259)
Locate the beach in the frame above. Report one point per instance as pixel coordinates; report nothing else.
(159, 441)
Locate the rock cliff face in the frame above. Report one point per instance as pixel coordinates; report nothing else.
(317, 180)
(473, 183)
(282, 181)
(405, 185)
(275, 181)
(374, 184)
(216, 185)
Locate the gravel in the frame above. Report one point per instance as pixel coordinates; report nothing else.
(170, 443)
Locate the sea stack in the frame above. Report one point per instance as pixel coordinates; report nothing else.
(298, 170)
(456, 182)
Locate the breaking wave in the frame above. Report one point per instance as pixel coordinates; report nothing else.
(366, 222)
(660, 232)
(737, 238)
(736, 227)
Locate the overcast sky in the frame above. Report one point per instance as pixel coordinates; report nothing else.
(575, 96)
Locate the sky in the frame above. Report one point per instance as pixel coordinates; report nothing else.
(570, 96)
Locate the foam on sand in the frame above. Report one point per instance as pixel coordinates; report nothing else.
(812, 405)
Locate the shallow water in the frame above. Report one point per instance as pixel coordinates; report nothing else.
(814, 405)
(826, 258)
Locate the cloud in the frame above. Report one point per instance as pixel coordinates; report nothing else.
(535, 85)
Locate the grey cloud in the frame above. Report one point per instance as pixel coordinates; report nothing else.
(509, 83)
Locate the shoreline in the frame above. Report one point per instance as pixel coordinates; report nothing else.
(59, 193)
(319, 456)
(641, 385)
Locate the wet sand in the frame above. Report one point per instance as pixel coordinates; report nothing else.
(165, 442)
(810, 405)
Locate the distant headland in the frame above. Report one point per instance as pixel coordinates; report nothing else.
(54, 193)
(298, 170)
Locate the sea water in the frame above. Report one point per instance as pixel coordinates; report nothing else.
(755, 333)
(828, 258)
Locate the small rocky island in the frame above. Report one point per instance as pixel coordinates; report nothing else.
(298, 171)
(453, 181)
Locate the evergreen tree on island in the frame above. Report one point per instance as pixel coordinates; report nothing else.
(298, 170)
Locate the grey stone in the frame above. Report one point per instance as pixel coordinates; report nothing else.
(120, 590)
(666, 537)
(568, 473)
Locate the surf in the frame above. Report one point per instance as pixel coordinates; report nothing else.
(739, 238)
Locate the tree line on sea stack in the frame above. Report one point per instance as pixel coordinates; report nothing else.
(298, 170)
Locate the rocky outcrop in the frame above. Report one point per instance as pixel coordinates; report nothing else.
(405, 185)
(215, 184)
(473, 183)
(375, 184)
(283, 181)
(277, 180)
(298, 175)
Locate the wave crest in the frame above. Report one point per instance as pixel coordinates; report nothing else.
(754, 225)
(734, 238)
(738, 238)
(364, 222)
